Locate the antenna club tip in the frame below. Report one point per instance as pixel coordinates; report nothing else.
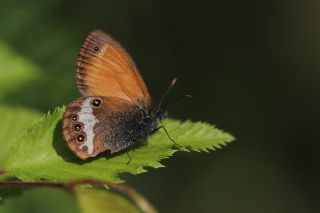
(174, 80)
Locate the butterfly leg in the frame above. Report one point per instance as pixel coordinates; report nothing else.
(130, 156)
(165, 130)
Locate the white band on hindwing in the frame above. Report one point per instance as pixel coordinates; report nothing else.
(88, 119)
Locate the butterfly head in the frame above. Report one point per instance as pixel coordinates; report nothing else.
(159, 113)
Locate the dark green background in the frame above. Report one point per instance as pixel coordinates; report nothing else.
(251, 66)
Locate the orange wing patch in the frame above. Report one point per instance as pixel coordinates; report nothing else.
(104, 68)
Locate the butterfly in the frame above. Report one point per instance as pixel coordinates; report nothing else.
(115, 111)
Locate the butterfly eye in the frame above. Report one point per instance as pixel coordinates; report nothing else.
(96, 49)
(77, 127)
(96, 102)
(81, 138)
(74, 117)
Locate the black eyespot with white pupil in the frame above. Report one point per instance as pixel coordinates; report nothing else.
(96, 102)
(81, 138)
(74, 117)
(96, 49)
(77, 127)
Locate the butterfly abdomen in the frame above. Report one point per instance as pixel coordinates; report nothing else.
(128, 128)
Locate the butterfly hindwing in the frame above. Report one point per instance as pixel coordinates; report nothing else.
(92, 125)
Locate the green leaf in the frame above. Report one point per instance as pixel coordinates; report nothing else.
(98, 201)
(42, 154)
(14, 121)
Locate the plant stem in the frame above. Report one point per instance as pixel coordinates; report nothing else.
(31, 184)
(140, 201)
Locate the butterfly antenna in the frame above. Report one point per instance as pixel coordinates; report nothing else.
(173, 82)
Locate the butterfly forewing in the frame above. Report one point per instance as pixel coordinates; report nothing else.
(104, 68)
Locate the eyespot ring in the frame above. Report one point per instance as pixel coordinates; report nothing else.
(74, 117)
(81, 137)
(77, 127)
(96, 102)
(96, 48)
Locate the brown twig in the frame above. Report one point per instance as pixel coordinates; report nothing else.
(140, 201)
(144, 204)
(2, 171)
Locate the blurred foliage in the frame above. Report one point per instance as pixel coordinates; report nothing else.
(39, 200)
(85, 200)
(16, 70)
(251, 66)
